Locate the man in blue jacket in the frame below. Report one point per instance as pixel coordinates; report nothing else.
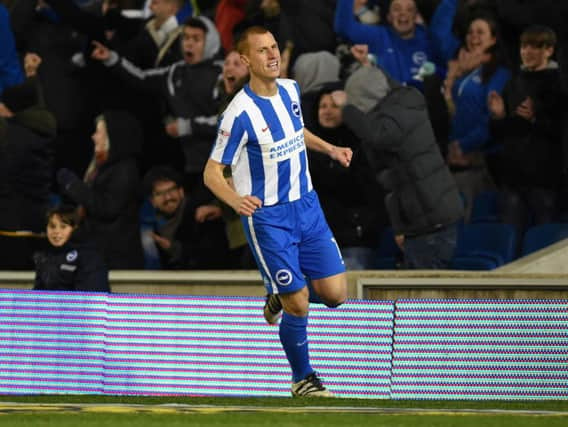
(401, 47)
(11, 72)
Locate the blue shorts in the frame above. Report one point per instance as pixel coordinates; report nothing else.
(292, 242)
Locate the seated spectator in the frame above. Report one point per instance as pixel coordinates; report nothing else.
(422, 199)
(350, 198)
(188, 235)
(190, 88)
(479, 68)
(27, 130)
(527, 121)
(109, 194)
(68, 264)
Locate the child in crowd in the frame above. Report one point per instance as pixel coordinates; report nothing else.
(67, 264)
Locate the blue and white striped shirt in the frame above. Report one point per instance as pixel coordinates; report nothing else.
(262, 138)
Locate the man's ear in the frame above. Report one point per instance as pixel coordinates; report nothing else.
(245, 60)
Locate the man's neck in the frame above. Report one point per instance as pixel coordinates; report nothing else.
(263, 87)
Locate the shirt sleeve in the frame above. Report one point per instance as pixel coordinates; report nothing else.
(230, 138)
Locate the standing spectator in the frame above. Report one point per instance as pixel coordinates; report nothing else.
(68, 264)
(261, 135)
(478, 69)
(190, 89)
(527, 121)
(27, 130)
(10, 69)
(188, 236)
(402, 47)
(422, 199)
(350, 197)
(108, 196)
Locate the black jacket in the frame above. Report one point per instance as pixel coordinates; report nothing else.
(25, 169)
(351, 199)
(532, 150)
(195, 246)
(72, 267)
(111, 200)
(422, 195)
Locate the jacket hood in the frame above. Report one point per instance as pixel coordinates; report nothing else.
(124, 134)
(37, 119)
(212, 39)
(314, 69)
(368, 86)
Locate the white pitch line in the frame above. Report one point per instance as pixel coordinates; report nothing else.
(173, 408)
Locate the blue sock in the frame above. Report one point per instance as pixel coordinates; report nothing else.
(294, 339)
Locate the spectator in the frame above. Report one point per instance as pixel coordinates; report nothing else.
(422, 199)
(527, 121)
(11, 72)
(187, 235)
(190, 88)
(478, 69)
(27, 130)
(108, 196)
(68, 264)
(157, 45)
(402, 47)
(312, 71)
(235, 75)
(350, 197)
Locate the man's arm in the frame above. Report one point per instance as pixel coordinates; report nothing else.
(153, 80)
(216, 182)
(342, 155)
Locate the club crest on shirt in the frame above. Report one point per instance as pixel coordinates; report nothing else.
(283, 277)
(419, 57)
(71, 256)
(296, 109)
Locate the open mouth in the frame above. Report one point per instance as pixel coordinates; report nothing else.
(273, 66)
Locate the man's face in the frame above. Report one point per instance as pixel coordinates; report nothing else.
(193, 44)
(535, 58)
(233, 70)
(162, 9)
(262, 56)
(402, 17)
(167, 197)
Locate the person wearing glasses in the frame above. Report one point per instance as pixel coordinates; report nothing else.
(186, 233)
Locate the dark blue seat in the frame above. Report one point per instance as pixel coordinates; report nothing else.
(388, 252)
(543, 235)
(484, 246)
(485, 208)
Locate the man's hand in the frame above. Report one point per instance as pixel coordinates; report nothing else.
(361, 53)
(339, 98)
(342, 155)
(496, 105)
(172, 129)
(162, 242)
(207, 213)
(100, 52)
(32, 62)
(246, 205)
(526, 109)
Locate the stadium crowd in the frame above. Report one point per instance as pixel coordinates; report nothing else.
(111, 106)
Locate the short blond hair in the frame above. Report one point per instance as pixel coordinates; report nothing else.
(243, 43)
